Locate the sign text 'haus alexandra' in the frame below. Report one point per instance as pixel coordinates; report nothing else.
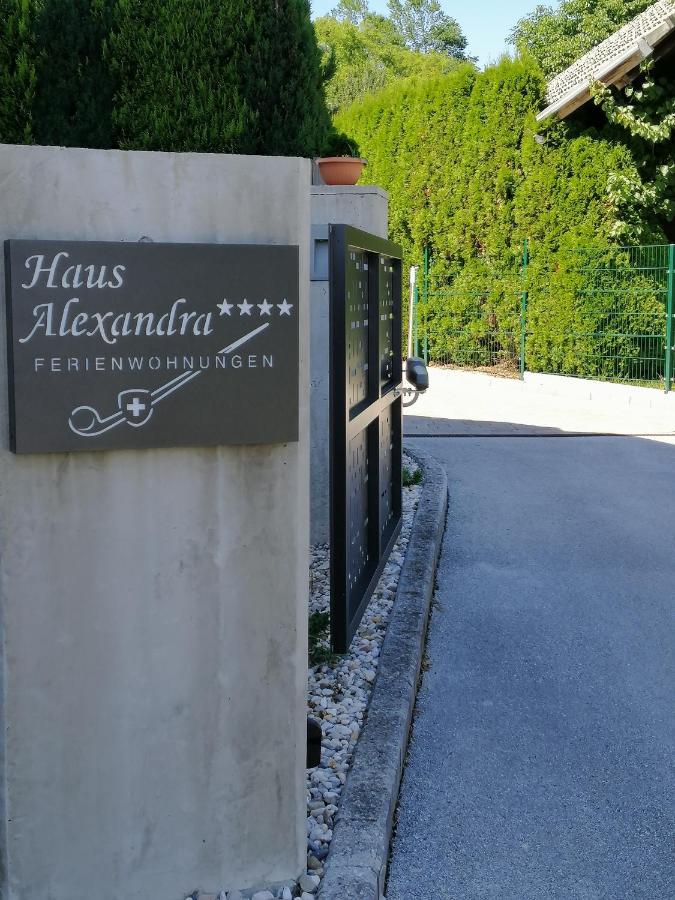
(118, 345)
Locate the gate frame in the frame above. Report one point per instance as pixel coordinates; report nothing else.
(344, 426)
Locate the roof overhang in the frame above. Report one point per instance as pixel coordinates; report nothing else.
(618, 72)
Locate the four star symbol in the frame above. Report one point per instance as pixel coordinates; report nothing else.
(266, 308)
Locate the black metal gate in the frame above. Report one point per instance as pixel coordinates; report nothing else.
(365, 415)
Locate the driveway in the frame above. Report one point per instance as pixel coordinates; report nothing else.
(540, 764)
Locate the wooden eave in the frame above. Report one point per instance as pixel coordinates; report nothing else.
(618, 72)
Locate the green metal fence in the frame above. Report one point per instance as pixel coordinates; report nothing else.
(602, 312)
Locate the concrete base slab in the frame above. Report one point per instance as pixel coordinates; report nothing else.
(474, 403)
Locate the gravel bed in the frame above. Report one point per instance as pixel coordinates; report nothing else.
(339, 691)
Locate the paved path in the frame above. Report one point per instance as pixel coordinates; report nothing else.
(473, 403)
(538, 766)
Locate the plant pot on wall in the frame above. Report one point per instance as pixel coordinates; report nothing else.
(340, 169)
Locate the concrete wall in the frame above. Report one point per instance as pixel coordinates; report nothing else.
(364, 207)
(154, 603)
(610, 395)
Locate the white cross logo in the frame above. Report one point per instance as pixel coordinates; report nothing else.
(136, 408)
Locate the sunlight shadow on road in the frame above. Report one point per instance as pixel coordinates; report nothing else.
(436, 427)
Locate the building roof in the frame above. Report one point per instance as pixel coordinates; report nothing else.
(616, 61)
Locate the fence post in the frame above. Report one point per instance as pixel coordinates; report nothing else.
(416, 336)
(523, 308)
(412, 312)
(670, 297)
(425, 297)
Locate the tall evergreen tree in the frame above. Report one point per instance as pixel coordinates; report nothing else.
(203, 75)
(286, 97)
(17, 71)
(73, 102)
(175, 62)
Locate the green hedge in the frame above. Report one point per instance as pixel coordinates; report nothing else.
(467, 176)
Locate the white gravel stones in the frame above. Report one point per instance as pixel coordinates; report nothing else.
(309, 883)
(339, 693)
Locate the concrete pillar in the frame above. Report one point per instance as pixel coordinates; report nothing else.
(153, 603)
(364, 207)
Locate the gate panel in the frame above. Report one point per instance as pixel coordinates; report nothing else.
(365, 366)
(356, 285)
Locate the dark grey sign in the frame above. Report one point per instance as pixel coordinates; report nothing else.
(116, 345)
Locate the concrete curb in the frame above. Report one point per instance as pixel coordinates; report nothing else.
(357, 863)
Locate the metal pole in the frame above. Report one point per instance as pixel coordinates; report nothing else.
(523, 308)
(416, 337)
(670, 302)
(412, 311)
(426, 304)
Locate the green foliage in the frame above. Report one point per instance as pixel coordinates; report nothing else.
(642, 116)
(73, 101)
(410, 478)
(353, 11)
(467, 177)
(176, 66)
(320, 652)
(209, 76)
(55, 86)
(17, 71)
(448, 151)
(338, 144)
(599, 313)
(556, 36)
(426, 28)
(470, 177)
(287, 93)
(243, 76)
(362, 59)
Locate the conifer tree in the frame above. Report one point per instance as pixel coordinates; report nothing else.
(175, 63)
(238, 77)
(284, 89)
(17, 71)
(73, 101)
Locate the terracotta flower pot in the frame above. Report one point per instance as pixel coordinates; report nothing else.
(341, 169)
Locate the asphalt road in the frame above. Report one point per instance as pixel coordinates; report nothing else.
(540, 764)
